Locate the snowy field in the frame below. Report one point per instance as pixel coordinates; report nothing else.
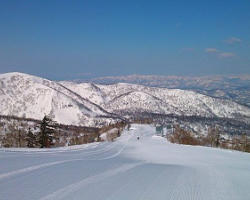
(127, 169)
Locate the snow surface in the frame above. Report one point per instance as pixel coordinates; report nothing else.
(149, 168)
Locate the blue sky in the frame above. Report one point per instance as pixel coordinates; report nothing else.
(74, 39)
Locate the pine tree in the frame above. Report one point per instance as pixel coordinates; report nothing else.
(31, 139)
(46, 132)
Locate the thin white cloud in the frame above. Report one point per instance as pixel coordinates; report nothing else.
(226, 55)
(233, 40)
(220, 54)
(211, 50)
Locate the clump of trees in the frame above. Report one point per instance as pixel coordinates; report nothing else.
(240, 143)
(15, 137)
(182, 136)
(212, 139)
(18, 132)
(18, 136)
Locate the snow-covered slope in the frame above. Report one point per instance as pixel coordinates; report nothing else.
(147, 169)
(29, 96)
(137, 98)
(82, 104)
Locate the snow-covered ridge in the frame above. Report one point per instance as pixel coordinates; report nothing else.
(133, 97)
(29, 96)
(233, 87)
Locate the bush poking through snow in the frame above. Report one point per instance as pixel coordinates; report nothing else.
(182, 136)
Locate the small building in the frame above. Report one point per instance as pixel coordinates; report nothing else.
(159, 130)
(169, 129)
(164, 130)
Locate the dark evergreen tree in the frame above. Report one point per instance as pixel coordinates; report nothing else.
(46, 132)
(31, 139)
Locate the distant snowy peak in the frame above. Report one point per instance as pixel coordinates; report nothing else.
(90, 104)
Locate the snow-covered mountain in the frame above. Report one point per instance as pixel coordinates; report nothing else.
(233, 87)
(92, 104)
(137, 98)
(28, 96)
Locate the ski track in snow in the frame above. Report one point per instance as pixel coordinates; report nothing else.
(61, 193)
(92, 153)
(145, 169)
(119, 151)
(33, 168)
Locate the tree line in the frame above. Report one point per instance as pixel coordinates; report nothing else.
(47, 133)
(17, 137)
(212, 139)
